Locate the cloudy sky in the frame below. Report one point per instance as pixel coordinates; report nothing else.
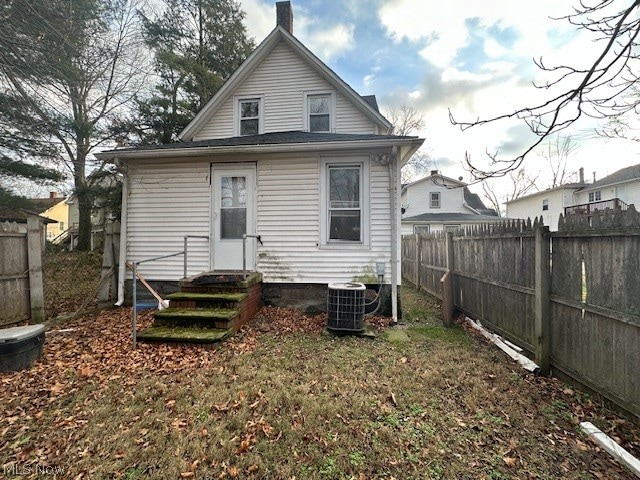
(472, 57)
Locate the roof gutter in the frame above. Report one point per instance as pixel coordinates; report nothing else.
(409, 147)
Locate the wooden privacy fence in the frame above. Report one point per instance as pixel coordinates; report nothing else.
(569, 297)
(21, 290)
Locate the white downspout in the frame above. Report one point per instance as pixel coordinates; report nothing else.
(393, 194)
(122, 267)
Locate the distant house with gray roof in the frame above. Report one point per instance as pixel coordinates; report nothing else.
(435, 203)
(618, 190)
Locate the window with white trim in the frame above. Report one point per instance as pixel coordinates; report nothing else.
(451, 228)
(319, 113)
(345, 201)
(595, 196)
(434, 200)
(421, 229)
(545, 204)
(249, 116)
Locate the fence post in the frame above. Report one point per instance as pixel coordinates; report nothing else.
(416, 261)
(448, 300)
(542, 298)
(36, 288)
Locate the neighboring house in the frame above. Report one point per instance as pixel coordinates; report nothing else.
(618, 190)
(16, 218)
(285, 150)
(56, 207)
(548, 204)
(437, 203)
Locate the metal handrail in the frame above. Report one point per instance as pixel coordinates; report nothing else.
(244, 251)
(134, 267)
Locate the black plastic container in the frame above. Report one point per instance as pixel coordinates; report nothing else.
(20, 347)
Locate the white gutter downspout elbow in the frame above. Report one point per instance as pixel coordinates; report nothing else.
(122, 267)
(393, 200)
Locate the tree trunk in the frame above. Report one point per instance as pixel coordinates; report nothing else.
(84, 198)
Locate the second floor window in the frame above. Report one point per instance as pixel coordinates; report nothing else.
(545, 204)
(319, 108)
(249, 115)
(434, 200)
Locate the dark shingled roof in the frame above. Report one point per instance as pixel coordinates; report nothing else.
(371, 100)
(19, 215)
(275, 138)
(624, 175)
(452, 217)
(474, 201)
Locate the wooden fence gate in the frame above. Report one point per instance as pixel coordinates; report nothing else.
(21, 287)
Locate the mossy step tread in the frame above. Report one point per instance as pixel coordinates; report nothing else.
(199, 313)
(183, 334)
(229, 297)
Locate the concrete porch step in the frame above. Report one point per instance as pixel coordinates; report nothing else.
(206, 300)
(183, 334)
(197, 317)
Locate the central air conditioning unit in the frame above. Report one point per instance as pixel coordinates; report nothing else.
(345, 307)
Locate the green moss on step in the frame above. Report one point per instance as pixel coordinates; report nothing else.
(183, 334)
(199, 313)
(230, 297)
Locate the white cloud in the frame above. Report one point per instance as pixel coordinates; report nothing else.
(328, 43)
(260, 18)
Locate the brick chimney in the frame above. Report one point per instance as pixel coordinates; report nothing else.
(434, 172)
(581, 174)
(284, 16)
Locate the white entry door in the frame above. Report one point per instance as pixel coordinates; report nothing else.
(233, 193)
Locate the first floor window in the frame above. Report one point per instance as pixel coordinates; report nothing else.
(451, 228)
(421, 229)
(345, 206)
(595, 196)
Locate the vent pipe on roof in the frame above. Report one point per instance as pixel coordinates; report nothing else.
(284, 16)
(594, 177)
(434, 172)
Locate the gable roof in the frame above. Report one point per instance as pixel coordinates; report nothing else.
(566, 186)
(437, 179)
(20, 215)
(475, 202)
(624, 175)
(42, 204)
(366, 105)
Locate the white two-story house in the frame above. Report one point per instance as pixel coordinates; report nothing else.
(285, 150)
(435, 203)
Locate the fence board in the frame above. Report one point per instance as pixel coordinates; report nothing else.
(594, 306)
(14, 279)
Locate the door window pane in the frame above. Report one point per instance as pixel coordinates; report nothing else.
(233, 207)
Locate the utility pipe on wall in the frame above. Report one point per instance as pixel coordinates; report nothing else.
(393, 197)
(122, 267)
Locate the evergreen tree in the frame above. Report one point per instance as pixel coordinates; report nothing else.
(197, 45)
(67, 70)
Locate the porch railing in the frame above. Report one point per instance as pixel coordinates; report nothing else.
(587, 209)
(134, 280)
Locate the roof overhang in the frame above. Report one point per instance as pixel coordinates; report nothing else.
(406, 148)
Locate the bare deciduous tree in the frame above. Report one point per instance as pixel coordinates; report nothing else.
(407, 121)
(605, 89)
(519, 184)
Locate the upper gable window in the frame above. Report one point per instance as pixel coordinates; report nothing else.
(319, 112)
(434, 200)
(249, 116)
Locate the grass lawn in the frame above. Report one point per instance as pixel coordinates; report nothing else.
(283, 400)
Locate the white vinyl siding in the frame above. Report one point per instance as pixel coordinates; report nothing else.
(165, 203)
(282, 80)
(417, 198)
(288, 220)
